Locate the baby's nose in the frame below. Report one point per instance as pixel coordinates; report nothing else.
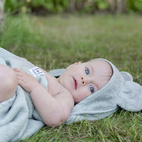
(84, 80)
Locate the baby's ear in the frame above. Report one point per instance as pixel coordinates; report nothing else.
(76, 63)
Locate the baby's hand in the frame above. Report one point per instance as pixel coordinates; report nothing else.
(25, 80)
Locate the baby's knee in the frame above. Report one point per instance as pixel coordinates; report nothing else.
(7, 75)
(8, 82)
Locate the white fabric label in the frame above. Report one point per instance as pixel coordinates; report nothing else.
(36, 71)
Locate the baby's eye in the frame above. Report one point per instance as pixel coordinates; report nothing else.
(91, 89)
(87, 71)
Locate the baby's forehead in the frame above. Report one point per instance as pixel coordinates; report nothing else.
(101, 65)
(104, 71)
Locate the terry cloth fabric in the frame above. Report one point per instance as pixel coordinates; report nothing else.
(18, 117)
(120, 91)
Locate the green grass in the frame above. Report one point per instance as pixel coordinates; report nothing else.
(57, 41)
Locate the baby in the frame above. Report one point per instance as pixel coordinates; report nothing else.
(30, 97)
(79, 81)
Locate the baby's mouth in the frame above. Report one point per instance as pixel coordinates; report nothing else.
(75, 83)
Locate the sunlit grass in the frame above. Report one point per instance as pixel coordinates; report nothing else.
(57, 41)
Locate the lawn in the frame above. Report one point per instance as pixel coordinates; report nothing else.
(58, 41)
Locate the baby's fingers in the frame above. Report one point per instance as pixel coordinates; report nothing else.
(22, 75)
(18, 70)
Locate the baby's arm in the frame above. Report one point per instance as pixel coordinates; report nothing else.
(53, 110)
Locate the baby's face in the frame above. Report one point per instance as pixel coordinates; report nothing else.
(83, 79)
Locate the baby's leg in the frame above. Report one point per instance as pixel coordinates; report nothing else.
(8, 83)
